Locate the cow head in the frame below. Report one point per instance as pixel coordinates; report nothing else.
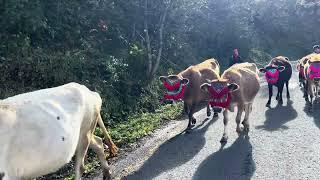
(313, 71)
(175, 86)
(272, 73)
(220, 92)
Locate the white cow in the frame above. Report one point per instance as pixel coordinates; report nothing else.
(40, 131)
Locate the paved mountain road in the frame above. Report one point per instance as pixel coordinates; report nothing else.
(284, 143)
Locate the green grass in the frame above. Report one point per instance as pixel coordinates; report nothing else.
(140, 125)
(136, 127)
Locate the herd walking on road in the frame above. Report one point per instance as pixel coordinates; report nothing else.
(60, 121)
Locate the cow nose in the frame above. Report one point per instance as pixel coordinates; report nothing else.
(217, 109)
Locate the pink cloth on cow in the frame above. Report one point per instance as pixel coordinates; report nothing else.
(215, 95)
(314, 71)
(272, 76)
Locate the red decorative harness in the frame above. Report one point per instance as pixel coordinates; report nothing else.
(314, 71)
(171, 87)
(272, 76)
(219, 94)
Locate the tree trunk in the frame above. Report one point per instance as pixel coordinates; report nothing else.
(162, 23)
(146, 31)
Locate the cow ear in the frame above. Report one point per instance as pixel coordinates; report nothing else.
(233, 87)
(205, 87)
(163, 78)
(185, 81)
(262, 70)
(281, 68)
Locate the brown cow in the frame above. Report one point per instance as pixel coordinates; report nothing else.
(312, 74)
(237, 86)
(186, 86)
(302, 77)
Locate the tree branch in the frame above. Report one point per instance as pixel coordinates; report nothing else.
(162, 23)
(146, 30)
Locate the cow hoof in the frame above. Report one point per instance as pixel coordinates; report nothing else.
(190, 126)
(239, 131)
(224, 139)
(268, 104)
(193, 121)
(106, 176)
(246, 129)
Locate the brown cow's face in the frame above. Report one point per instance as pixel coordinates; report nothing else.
(220, 92)
(173, 84)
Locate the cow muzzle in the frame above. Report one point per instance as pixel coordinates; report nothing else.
(216, 109)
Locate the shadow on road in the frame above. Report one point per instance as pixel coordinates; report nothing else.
(234, 162)
(313, 111)
(176, 151)
(276, 117)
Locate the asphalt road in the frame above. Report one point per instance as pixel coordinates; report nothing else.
(283, 143)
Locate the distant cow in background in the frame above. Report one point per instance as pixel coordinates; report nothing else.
(277, 73)
(41, 131)
(312, 73)
(237, 87)
(186, 86)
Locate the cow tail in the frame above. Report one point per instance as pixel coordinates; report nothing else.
(112, 147)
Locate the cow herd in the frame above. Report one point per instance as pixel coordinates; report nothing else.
(238, 87)
(41, 131)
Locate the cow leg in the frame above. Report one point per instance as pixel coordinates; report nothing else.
(81, 152)
(97, 145)
(192, 120)
(185, 108)
(224, 138)
(280, 90)
(270, 95)
(305, 91)
(287, 87)
(238, 119)
(278, 94)
(208, 110)
(245, 122)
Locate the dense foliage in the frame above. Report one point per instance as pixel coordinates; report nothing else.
(109, 45)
